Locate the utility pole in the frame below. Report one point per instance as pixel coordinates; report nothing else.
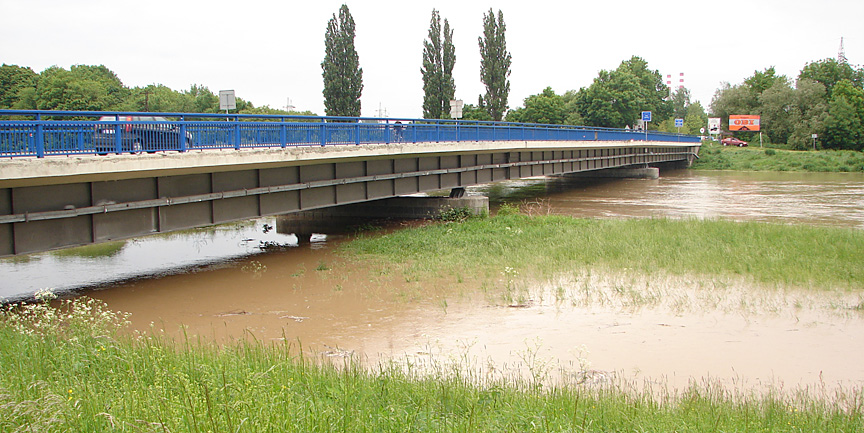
(146, 100)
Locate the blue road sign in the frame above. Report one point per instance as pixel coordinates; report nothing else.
(646, 116)
(679, 123)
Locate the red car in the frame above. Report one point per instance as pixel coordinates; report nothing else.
(732, 141)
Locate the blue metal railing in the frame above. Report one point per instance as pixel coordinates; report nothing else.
(34, 133)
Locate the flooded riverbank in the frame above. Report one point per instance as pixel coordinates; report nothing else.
(752, 338)
(220, 283)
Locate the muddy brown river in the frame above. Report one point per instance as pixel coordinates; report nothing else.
(218, 283)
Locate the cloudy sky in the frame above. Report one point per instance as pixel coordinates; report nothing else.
(269, 51)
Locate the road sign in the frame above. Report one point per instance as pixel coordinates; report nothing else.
(646, 116)
(679, 123)
(456, 108)
(227, 101)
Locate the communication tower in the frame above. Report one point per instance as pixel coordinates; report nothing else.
(841, 55)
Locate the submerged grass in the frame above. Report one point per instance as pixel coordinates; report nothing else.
(713, 156)
(67, 369)
(545, 246)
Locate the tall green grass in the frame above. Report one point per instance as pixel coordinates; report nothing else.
(713, 156)
(66, 369)
(543, 246)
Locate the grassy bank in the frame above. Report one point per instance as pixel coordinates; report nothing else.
(543, 246)
(713, 156)
(66, 369)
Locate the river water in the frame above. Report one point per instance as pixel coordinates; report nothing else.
(224, 283)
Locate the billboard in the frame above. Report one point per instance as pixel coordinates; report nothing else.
(743, 122)
(713, 125)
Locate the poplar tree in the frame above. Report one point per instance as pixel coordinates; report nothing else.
(494, 64)
(343, 77)
(439, 56)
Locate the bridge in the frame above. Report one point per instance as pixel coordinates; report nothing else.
(76, 178)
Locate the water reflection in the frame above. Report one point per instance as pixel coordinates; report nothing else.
(152, 256)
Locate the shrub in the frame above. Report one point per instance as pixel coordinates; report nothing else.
(458, 214)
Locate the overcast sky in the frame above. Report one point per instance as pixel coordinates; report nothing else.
(269, 51)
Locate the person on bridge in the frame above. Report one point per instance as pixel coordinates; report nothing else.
(397, 131)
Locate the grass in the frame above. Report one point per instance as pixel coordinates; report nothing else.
(105, 249)
(545, 246)
(67, 368)
(713, 156)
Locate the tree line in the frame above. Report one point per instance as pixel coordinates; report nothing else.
(97, 88)
(826, 99)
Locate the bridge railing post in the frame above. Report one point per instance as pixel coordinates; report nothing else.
(39, 137)
(387, 132)
(357, 133)
(182, 146)
(236, 133)
(322, 139)
(283, 134)
(118, 137)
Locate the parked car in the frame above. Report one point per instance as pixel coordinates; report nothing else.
(151, 134)
(732, 141)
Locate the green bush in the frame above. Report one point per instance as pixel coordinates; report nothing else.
(458, 214)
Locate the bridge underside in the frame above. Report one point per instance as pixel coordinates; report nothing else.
(45, 214)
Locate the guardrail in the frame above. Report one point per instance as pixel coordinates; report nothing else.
(37, 133)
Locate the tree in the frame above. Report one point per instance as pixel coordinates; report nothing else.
(13, 79)
(545, 107)
(812, 112)
(476, 112)
(158, 98)
(494, 64)
(82, 87)
(615, 99)
(439, 57)
(343, 77)
(571, 108)
(694, 119)
(844, 126)
(829, 72)
(199, 99)
(680, 102)
(778, 110)
(762, 81)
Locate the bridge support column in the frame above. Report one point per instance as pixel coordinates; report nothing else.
(619, 173)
